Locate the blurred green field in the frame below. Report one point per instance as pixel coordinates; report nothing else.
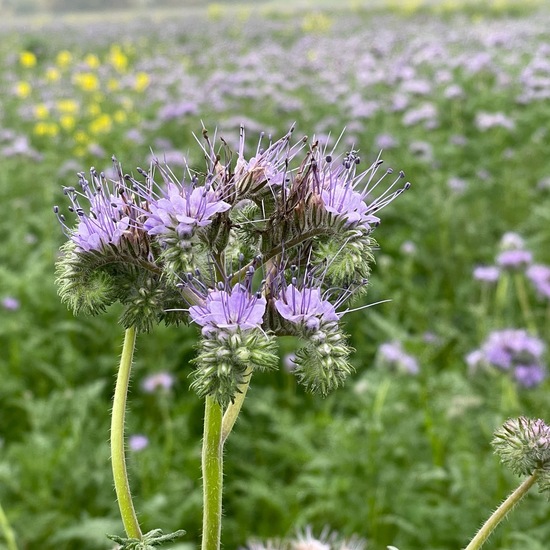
(457, 97)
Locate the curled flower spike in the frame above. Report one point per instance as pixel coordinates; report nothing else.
(110, 215)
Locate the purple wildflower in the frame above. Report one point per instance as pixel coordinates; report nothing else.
(182, 209)
(111, 215)
(515, 258)
(393, 355)
(10, 303)
(337, 184)
(529, 376)
(159, 380)
(230, 311)
(138, 442)
(305, 307)
(512, 350)
(487, 273)
(539, 275)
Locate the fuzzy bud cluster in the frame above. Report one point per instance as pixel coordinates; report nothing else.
(249, 249)
(523, 444)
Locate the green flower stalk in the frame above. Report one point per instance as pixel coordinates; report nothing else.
(523, 444)
(118, 461)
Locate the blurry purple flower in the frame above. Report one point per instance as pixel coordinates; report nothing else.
(454, 91)
(529, 376)
(385, 141)
(425, 113)
(486, 121)
(138, 442)
(408, 248)
(393, 355)
(514, 258)
(512, 350)
(177, 110)
(10, 303)
(539, 275)
(422, 150)
(159, 380)
(511, 241)
(305, 307)
(458, 140)
(457, 185)
(230, 311)
(487, 273)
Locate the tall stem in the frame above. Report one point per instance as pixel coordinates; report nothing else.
(7, 530)
(500, 513)
(118, 460)
(212, 472)
(234, 408)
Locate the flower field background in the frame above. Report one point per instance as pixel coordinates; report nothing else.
(458, 98)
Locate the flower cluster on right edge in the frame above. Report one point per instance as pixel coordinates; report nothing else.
(250, 248)
(523, 444)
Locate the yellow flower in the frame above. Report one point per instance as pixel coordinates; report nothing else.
(67, 106)
(67, 122)
(141, 82)
(23, 89)
(316, 23)
(46, 129)
(27, 59)
(101, 125)
(94, 109)
(80, 136)
(127, 103)
(88, 82)
(113, 84)
(120, 116)
(52, 74)
(64, 59)
(79, 151)
(215, 11)
(117, 58)
(41, 111)
(92, 61)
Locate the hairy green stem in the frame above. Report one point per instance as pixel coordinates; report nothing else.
(500, 513)
(234, 408)
(7, 530)
(212, 472)
(118, 460)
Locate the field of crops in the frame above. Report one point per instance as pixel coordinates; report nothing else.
(459, 99)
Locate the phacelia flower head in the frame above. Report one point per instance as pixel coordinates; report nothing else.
(345, 192)
(230, 310)
(182, 209)
(109, 215)
(539, 275)
(515, 351)
(487, 273)
(305, 307)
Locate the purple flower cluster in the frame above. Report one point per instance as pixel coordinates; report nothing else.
(514, 351)
(392, 355)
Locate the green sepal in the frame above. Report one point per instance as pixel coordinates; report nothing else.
(223, 359)
(148, 541)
